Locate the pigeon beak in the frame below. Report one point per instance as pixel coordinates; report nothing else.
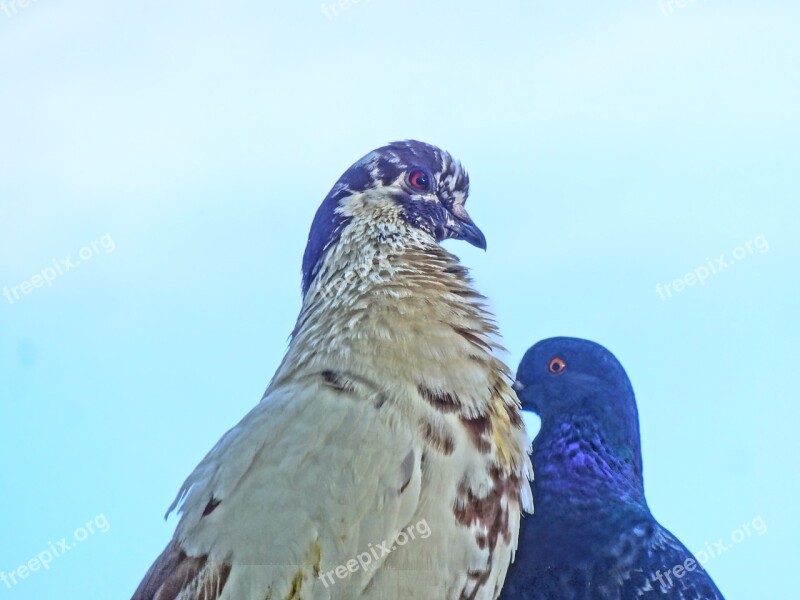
(528, 400)
(469, 232)
(463, 228)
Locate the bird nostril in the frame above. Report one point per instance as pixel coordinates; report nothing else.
(460, 213)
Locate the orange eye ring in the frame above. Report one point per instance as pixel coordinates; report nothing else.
(557, 366)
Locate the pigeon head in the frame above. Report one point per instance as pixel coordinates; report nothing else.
(578, 384)
(414, 181)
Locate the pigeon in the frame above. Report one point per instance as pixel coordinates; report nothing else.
(387, 457)
(592, 535)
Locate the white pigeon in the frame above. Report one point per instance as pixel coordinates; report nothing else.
(387, 458)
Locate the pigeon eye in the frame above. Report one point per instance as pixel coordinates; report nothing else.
(419, 180)
(557, 366)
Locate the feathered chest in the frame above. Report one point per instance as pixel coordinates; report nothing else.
(405, 330)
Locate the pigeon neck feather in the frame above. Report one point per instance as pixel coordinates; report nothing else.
(390, 305)
(577, 467)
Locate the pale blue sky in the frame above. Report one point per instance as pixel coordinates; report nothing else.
(611, 148)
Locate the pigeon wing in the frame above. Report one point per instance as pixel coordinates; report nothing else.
(662, 567)
(314, 476)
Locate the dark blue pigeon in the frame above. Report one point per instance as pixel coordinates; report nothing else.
(591, 535)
